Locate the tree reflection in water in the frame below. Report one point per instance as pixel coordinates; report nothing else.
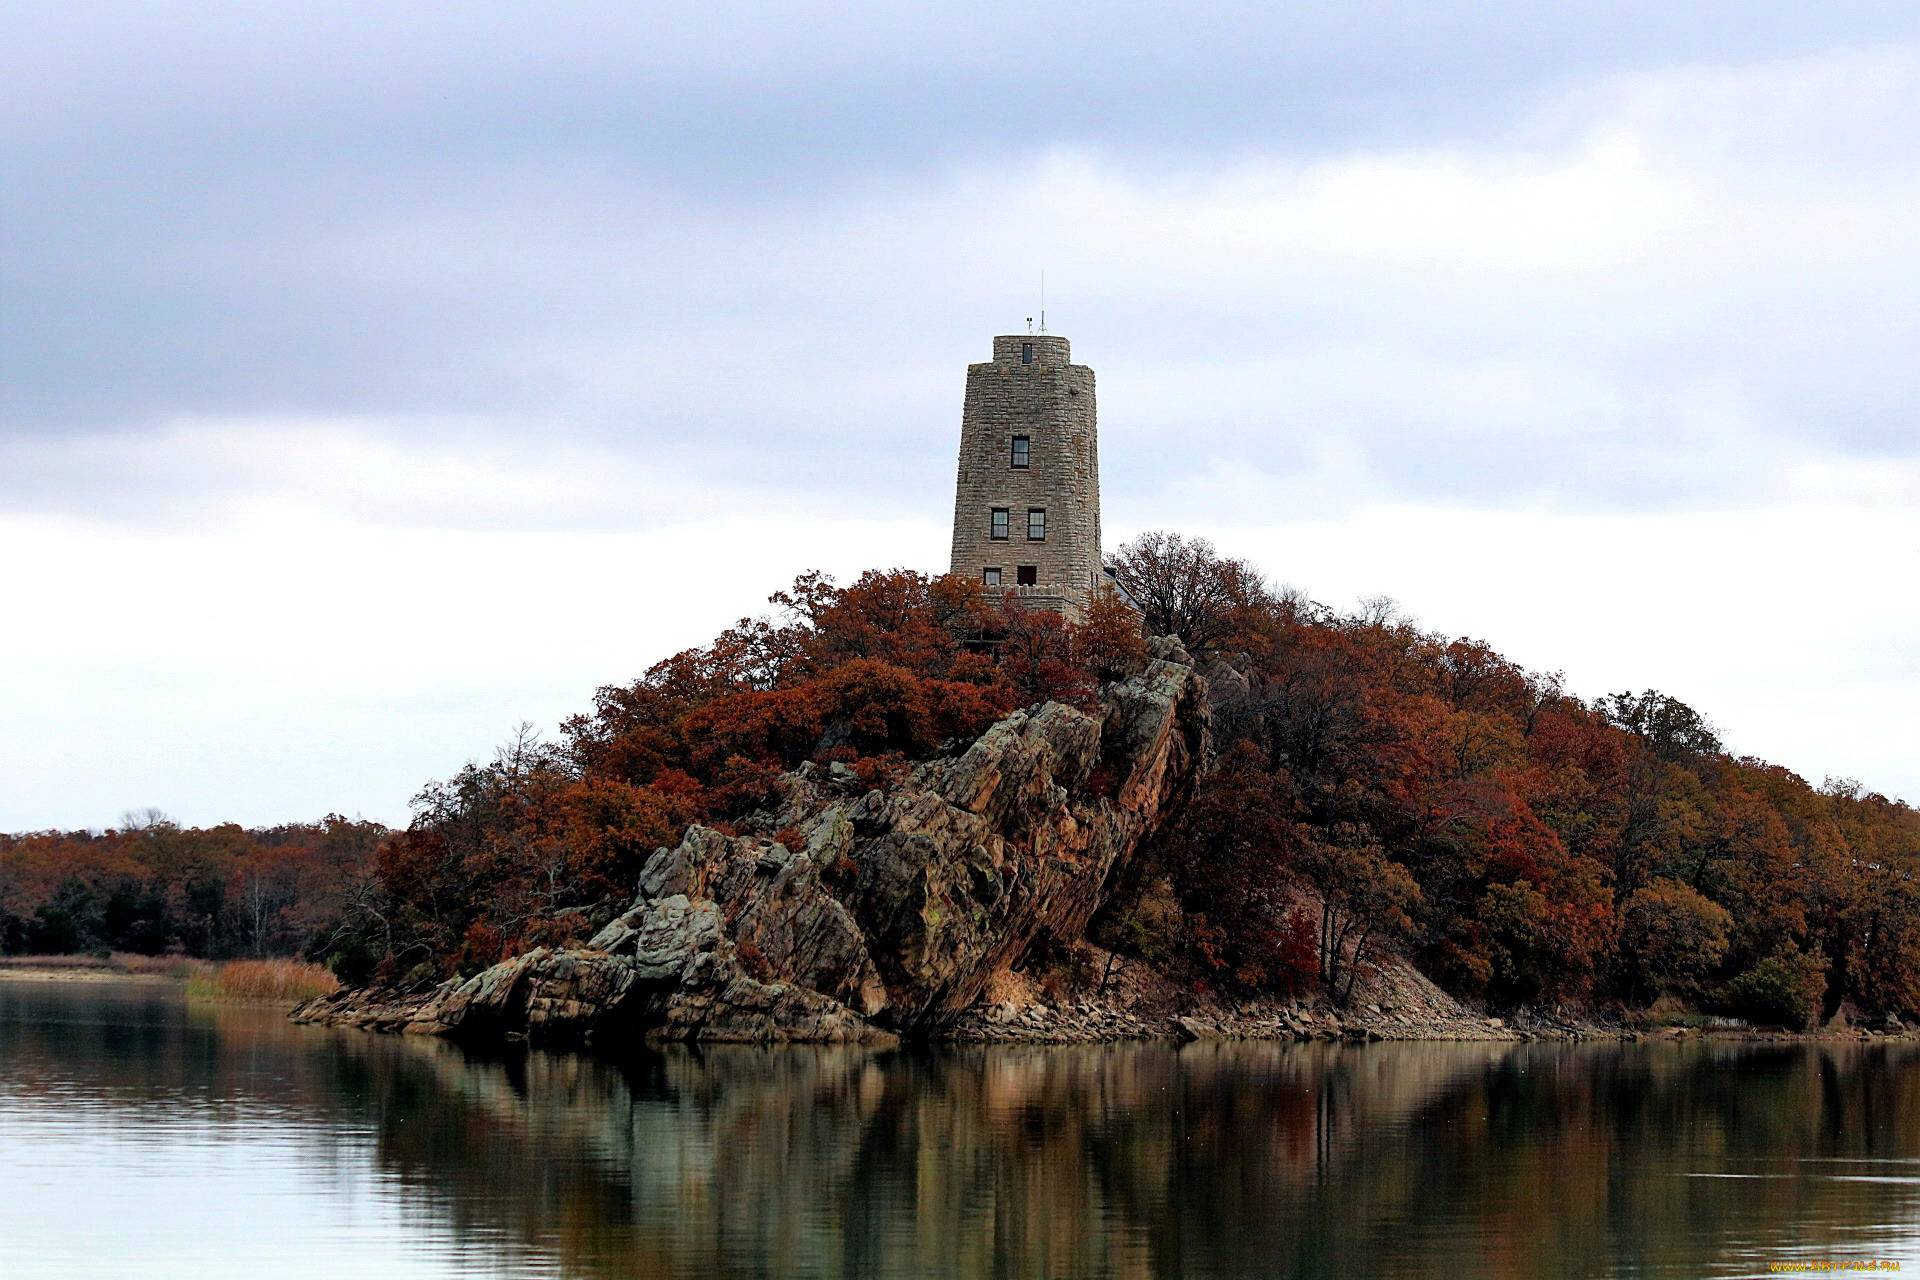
(1131, 1160)
(1151, 1160)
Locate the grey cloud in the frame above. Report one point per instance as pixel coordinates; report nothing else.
(622, 226)
(702, 89)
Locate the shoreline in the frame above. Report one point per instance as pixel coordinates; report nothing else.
(200, 981)
(1088, 1022)
(77, 973)
(57, 974)
(1075, 1022)
(1093, 1026)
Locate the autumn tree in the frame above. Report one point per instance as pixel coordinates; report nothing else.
(1671, 937)
(1035, 648)
(1184, 588)
(1231, 858)
(1108, 641)
(1366, 900)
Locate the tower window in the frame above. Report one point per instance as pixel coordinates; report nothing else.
(1026, 353)
(999, 526)
(1036, 524)
(990, 577)
(1022, 448)
(1027, 575)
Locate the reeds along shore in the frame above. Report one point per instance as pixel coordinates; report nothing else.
(275, 981)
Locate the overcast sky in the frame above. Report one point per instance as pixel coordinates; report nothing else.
(377, 376)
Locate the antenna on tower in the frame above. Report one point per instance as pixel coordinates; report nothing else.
(1043, 299)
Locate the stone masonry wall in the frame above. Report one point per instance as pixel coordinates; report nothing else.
(1051, 402)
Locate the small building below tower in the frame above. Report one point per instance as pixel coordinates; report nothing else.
(1026, 511)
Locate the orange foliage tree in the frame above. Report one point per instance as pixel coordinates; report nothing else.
(546, 841)
(1551, 849)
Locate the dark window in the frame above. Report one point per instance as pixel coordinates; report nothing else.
(1027, 575)
(990, 577)
(1026, 353)
(1036, 524)
(1022, 447)
(1000, 517)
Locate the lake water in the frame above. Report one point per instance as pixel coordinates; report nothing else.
(143, 1136)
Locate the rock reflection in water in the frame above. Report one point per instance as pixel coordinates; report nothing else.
(1151, 1160)
(352, 1153)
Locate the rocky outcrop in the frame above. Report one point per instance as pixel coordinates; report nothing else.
(882, 911)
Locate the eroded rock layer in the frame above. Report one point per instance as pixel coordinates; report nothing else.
(889, 917)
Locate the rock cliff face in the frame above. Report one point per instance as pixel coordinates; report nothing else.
(889, 918)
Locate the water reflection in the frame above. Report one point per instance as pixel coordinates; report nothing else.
(1138, 1160)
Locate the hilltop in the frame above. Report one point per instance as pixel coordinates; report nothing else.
(901, 807)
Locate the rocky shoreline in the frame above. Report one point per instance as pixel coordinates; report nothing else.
(1087, 1022)
(1091, 1021)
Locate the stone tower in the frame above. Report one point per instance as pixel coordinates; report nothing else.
(1026, 511)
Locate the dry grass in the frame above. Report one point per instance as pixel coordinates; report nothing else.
(182, 967)
(56, 962)
(278, 981)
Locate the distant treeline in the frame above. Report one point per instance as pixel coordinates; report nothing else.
(1374, 785)
(152, 887)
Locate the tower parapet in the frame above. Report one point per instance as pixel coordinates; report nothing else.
(1026, 512)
